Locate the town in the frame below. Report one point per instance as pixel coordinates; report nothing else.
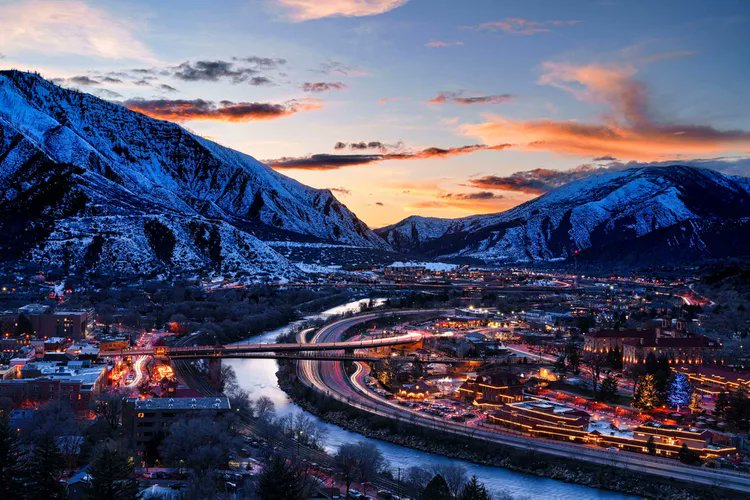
(622, 371)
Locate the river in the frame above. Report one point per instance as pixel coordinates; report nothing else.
(258, 377)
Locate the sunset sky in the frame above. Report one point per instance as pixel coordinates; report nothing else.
(433, 107)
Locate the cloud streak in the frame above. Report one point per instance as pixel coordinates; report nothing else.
(439, 44)
(322, 86)
(306, 10)
(181, 110)
(460, 98)
(628, 130)
(520, 26)
(335, 161)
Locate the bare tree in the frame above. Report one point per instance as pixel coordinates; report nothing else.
(454, 474)
(595, 361)
(202, 444)
(109, 407)
(358, 462)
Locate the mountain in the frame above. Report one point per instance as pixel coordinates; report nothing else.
(85, 182)
(639, 216)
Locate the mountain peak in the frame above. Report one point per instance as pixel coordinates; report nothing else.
(104, 160)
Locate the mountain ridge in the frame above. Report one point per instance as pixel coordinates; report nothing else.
(114, 162)
(585, 216)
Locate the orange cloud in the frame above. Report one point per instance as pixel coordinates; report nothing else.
(335, 161)
(180, 110)
(306, 10)
(628, 129)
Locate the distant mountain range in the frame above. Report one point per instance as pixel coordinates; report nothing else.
(86, 184)
(635, 217)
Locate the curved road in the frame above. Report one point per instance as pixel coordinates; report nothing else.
(330, 378)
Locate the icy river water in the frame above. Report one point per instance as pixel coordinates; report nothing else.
(258, 377)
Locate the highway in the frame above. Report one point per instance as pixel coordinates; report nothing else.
(330, 378)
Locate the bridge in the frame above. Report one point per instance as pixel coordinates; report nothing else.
(288, 350)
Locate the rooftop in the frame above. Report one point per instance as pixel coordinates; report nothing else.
(217, 403)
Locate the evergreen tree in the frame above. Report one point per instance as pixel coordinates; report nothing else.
(614, 358)
(645, 397)
(738, 410)
(474, 490)
(688, 456)
(680, 391)
(437, 489)
(11, 461)
(608, 389)
(574, 357)
(560, 367)
(721, 406)
(45, 470)
(281, 480)
(651, 446)
(111, 476)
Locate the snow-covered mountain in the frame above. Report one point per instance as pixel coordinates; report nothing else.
(644, 215)
(85, 182)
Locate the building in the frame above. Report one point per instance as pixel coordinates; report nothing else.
(546, 419)
(76, 382)
(667, 441)
(114, 343)
(418, 390)
(492, 389)
(144, 419)
(713, 379)
(45, 323)
(677, 350)
(608, 340)
(542, 418)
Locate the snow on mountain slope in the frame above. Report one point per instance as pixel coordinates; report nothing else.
(169, 164)
(609, 210)
(87, 183)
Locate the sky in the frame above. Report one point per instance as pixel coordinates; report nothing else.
(440, 108)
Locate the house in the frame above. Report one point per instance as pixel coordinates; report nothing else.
(418, 390)
(491, 389)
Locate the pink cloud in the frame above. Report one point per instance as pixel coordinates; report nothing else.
(306, 10)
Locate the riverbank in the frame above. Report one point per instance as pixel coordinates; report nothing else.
(481, 452)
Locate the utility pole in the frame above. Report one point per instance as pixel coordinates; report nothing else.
(398, 483)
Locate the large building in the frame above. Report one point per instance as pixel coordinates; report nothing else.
(608, 340)
(678, 351)
(143, 419)
(45, 323)
(668, 441)
(670, 340)
(76, 382)
(491, 389)
(541, 417)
